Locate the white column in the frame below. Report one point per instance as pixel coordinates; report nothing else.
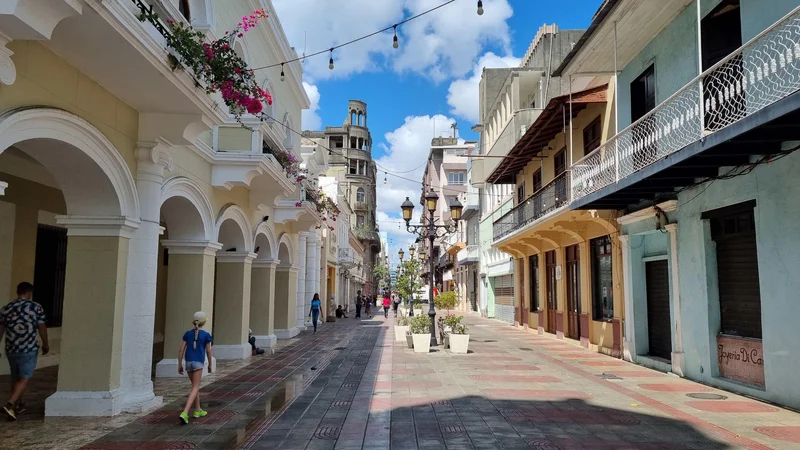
(140, 291)
(628, 341)
(300, 306)
(677, 350)
(312, 274)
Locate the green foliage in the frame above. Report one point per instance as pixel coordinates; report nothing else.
(454, 322)
(409, 281)
(420, 324)
(402, 320)
(446, 300)
(381, 273)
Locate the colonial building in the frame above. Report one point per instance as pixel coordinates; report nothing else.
(703, 171)
(132, 198)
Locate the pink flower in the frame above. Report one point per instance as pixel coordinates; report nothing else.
(298, 204)
(254, 106)
(241, 35)
(170, 21)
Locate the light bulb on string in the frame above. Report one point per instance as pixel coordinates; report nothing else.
(384, 177)
(283, 75)
(480, 7)
(330, 62)
(395, 42)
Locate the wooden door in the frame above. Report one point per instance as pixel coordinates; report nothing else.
(659, 335)
(523, 306)
(552, 300)
(573, 291)
(533, 264)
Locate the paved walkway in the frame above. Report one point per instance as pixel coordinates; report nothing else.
(352, 387)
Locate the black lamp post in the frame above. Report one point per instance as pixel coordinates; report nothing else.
(431, 230)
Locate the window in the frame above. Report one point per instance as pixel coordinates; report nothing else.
(533, 265)
(537, 180)
(337, 142)
(50, 271)
(560, 162)
(353, 167)
(520, 194)
(362, 167)
(456, 177)
(602, 279)
(360, 220)
(734, 233)
(643, 94)
(361, 196)
(183, 7)
(591, 136)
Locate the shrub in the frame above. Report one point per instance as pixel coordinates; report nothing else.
(454, 322)
(446, 300)
(420, 324)
(402, 320)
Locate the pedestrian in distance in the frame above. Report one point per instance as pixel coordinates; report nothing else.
(314, 313)
(19, 321)
(395, 303)
(359, 305)
(196, 348)
(387, 302)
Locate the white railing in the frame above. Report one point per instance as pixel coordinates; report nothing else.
(470, 253)
(758, 74)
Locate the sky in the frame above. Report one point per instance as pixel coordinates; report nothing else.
(415, 92)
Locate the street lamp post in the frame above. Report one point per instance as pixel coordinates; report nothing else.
(431, 230)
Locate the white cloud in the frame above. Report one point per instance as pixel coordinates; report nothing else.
(405, 155)
(311, 118)
(441, 44)
(462, 96)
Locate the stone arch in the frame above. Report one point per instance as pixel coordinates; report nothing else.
(94, 178)
(286, 252)
(269, 110)
(265, 241)
(233, 229)
(288, 125)
(187, 210)
(361, 195)
(241, 49)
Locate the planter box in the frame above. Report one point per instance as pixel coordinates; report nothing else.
(446, 342)
(400, 332)
(459, 343)
(422, 343)
(409, 340)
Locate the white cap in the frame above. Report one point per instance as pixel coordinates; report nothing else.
(200, 316)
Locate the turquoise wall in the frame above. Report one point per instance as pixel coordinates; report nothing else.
(777, 217)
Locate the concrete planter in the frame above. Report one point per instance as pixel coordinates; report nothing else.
(446, 342)
(459, 343)
(422, 343)
(400, 332)
(409, 340)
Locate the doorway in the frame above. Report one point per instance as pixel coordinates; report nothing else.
(552, 302)
(573, 291)
(523, 306)
(659, 335)
(721, 35)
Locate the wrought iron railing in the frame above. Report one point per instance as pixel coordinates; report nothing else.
(543, 202)
(761, 72)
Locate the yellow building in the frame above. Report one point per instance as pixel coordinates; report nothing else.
(567, 263)
(131, 198)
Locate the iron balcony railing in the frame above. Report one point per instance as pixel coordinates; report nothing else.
(543, 202)
(758, 74)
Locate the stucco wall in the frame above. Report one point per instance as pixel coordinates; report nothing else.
(777, 220)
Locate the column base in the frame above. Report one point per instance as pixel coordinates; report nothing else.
(268, 341)
(141, 400)
(84, 404)
(287, 333)
(168, 368)
(235, 352)
(677, 363)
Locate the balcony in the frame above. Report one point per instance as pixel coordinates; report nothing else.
(545, 201)
(361, 206)
(470, 201)
(744, 105)
(504, 142)
(469, 255)
(366, 234)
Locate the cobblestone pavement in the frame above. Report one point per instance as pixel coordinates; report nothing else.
(352, 387)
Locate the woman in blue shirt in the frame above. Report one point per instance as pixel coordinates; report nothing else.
(316, 306)
(196, 347)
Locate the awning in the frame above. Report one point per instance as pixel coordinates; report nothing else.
(547, 126)
(455, 248)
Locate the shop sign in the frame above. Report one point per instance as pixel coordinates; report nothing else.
(741, 359)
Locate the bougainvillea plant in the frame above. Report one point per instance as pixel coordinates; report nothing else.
(287, 160)
(215, 63)
(325, 205)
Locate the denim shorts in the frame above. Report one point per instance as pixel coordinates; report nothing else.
(22, 364)
(193, 366)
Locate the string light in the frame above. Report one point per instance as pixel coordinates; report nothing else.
(395, 43)
(283, 75)
(330, 62)
(480, 7)
(384, 177)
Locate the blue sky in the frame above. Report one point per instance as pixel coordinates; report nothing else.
(430, 80)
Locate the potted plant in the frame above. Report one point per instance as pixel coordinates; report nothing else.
(417, 307)
(421, 333)
(400, 328)
(458, 338)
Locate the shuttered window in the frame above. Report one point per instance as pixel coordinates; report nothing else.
(504, 290)
(734, 232)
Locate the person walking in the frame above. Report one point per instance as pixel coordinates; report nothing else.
(196, 347)
(387, 302)
(395, 303)
(19, 321)
(314, 313)
(359, 304)
(369, 306)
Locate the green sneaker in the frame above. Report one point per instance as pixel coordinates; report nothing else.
(198, 414)
(184, 418)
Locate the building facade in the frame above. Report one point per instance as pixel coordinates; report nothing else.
(702, 172)
(131, 199)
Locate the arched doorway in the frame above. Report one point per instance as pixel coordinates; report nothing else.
(68, 212)
(262, 287)
(286, 290)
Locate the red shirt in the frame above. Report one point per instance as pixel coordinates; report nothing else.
(386, 301)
